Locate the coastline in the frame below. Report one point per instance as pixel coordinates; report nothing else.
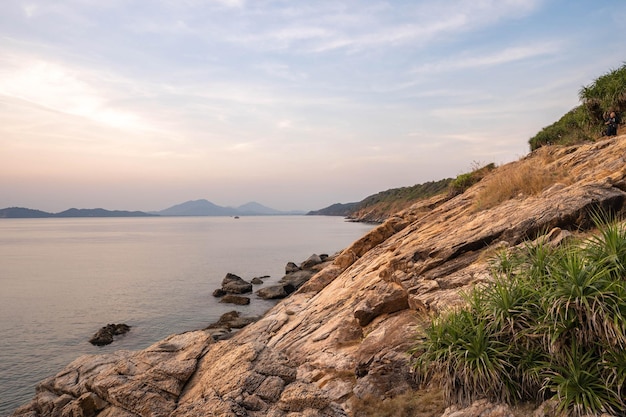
(344, 336)
(168, 350)
(160, 285)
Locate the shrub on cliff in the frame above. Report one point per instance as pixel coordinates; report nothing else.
(585, 122)
(552, 324)
(464, 181)
(575, 126)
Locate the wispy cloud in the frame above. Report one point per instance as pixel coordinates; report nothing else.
(317, 30)
(231, 3)
(468, 60)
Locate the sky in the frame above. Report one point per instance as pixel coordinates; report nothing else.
(144, 104)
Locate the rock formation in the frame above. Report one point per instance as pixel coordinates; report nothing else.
(233, 284)
(235, 299)
(343, 336)
(295, 277)
(105, 335)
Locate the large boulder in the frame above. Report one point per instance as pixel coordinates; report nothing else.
(273, 292)
(233, 284)
(291, 267)
(311, 262)
(297, 279)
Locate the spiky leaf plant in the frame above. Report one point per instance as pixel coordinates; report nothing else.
(608, 248)
(466, 356)
(577, 380)
(551, 323)
(584, 302)
(614, 371)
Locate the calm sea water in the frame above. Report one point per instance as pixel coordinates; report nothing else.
(63, 279)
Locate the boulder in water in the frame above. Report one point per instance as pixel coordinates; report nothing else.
(104, 336)
(233, 284)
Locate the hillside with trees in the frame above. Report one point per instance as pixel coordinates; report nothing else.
(378, 207)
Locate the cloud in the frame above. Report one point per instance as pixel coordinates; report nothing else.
(62, 89)
(356, 27)
(231, 3)
(505, 56)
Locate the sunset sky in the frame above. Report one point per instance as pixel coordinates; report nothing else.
(143, 104)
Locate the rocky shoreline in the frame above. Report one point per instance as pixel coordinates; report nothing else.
(234, 288)
(62, 394)
(342, 337)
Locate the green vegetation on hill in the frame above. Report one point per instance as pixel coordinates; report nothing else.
(551, 324)
(379, 206)
(586, 121)
(404, 194)
(463, 181)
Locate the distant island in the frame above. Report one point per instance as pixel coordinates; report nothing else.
(189, 208)
(26, 213)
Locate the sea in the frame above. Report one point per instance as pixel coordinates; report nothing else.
(62, 279)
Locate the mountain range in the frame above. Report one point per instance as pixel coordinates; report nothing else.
(26, 213)
(206, 208)
(189, 208)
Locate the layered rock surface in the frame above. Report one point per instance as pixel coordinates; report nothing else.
(345, 333)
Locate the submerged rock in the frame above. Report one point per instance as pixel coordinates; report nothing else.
(105, 335)
(235, 299)
(259, 280)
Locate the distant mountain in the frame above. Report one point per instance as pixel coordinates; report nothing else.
(26, 213)
(22, 213)
(99, 212)
(253, 208)
(206, 208)
(197, 208)
(189, 208)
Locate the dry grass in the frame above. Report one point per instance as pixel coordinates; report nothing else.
(423, 403)
(524, 178)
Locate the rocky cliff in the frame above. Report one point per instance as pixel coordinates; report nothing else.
(344, 335)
